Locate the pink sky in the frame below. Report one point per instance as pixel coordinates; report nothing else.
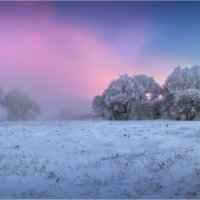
(64, 63)
(48, 59)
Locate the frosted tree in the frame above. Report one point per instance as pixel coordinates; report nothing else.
(180, 80)
(195, 77)
(128, 98)
(98, 104)
(118, 98)
(20, 106)
(186, 104)
(146, 93)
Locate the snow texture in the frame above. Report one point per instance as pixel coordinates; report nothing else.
(100, 159)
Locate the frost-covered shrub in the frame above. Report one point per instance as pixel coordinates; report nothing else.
(128, 98)
(20, 106)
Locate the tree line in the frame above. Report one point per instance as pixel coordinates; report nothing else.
(141, 97)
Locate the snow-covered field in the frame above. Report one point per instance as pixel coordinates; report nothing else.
(100, 159)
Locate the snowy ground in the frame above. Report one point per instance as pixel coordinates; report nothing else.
(100, 159)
